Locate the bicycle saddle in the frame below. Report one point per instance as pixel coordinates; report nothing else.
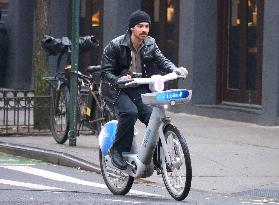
(93, 69)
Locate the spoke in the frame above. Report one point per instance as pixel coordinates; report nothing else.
(115, 177)
(176, 179)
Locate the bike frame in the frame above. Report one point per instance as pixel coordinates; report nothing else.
(141, 164)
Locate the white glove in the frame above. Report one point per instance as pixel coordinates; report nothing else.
(181, 71)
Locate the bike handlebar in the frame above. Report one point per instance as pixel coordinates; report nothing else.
(79, 74)
(155, 82)
(124, 82)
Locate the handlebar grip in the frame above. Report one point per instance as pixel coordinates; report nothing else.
(123, 82)
(181, 76)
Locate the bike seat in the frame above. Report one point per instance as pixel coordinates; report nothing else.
(93, 69)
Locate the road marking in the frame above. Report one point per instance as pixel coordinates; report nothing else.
(64, 178)
(122, 201)
(28, 185)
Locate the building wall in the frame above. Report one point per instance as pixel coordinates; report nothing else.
(59, 27)
(270, 80)
(116, 17)
(20, 32)
(186, 41)
(197, 48)
(3, 52)
(204, 51)
(198, 34)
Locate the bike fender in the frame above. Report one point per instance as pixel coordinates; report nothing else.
(107, 136)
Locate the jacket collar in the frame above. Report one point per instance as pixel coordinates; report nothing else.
(127, 40)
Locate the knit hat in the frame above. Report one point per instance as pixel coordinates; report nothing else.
(138, 17)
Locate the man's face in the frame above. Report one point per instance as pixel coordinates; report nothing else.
(141, 30)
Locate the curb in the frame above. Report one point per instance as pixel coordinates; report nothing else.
(49, 156)
(54, 157)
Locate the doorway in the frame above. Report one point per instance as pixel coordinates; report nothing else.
(240, 51)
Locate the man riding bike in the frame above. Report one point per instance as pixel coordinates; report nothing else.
(133, 52)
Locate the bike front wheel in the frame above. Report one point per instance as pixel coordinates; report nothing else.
(118, 182)
(59, 122)
(177, 176)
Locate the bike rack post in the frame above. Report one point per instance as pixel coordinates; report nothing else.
(74, 64)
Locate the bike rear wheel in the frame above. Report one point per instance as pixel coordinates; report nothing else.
(100, 114)
(177, 176)
(59, 121)
(118, 182)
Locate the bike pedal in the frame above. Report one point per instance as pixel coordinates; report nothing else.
(131, 166)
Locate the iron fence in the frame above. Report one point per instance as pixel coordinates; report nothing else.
(16, 112)
(17, 109)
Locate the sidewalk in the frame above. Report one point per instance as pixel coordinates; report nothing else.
(227, 157)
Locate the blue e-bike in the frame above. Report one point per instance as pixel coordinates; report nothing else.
(163, 148)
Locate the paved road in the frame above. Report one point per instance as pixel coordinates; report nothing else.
(27, 181)
(228, 158)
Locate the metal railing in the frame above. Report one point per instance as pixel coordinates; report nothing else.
(16, 112)
(17, 109)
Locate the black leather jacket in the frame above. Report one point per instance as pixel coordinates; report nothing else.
(117, 61)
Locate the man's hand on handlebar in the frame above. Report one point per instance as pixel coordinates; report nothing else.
(123, 80)
(181, 71)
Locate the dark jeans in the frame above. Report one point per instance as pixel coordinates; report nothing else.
(129, 108)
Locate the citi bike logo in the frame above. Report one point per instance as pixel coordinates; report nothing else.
(174, 95)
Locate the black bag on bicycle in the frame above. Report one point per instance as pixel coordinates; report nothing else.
(55, 46)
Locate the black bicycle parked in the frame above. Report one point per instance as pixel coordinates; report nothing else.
(91, 109)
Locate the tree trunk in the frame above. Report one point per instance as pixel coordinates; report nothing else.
(40, 65)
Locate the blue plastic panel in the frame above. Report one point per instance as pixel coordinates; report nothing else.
(172, 95)
(107, 136)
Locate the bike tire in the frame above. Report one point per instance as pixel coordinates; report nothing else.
(108, 114)
(102, 114)
(113, 176)
(99, 114)
(80, 105)
(178, 177)
(59, 119)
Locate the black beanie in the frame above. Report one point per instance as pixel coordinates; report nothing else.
(138, 17)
